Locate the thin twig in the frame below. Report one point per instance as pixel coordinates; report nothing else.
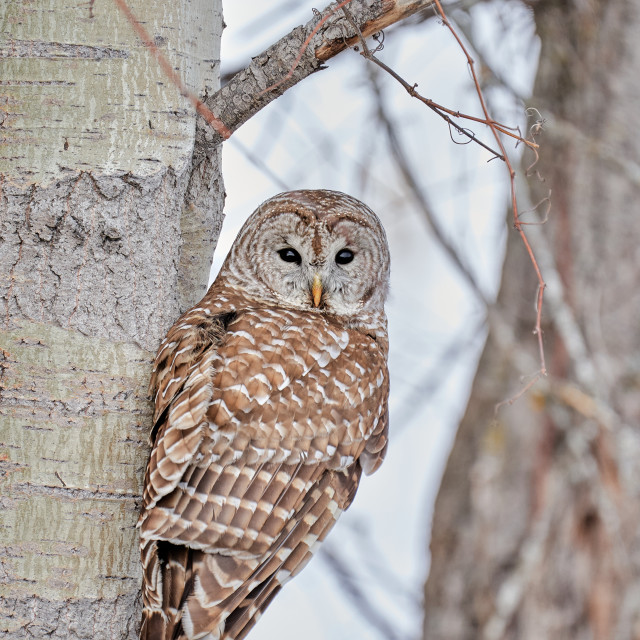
(509, 401)
(441, 110)
(547, 210)
(413, 183)
(500, 79)
(514, 203)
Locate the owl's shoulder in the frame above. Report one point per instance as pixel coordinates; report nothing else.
(197, 331)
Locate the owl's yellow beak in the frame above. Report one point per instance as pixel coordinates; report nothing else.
(316, 290)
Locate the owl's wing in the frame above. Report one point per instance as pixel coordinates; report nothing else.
(196, 332)
(181, 388)
(375, 448)
(260, 450)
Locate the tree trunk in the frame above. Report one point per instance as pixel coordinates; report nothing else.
(535, 531)
(108, 229)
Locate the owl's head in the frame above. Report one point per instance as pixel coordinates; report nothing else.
(312, 250)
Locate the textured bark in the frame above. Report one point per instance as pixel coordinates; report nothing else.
(108, 230)
(535, 531)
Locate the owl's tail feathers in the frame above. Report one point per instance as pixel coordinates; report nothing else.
(186, 592)
(193, 595)
(219, 579)
(167, 582)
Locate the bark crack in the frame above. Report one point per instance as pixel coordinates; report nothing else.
(48, 50)
(73, 493)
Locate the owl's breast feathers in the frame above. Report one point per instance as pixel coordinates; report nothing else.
(265, 419)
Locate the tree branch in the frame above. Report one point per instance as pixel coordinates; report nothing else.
(294, 57)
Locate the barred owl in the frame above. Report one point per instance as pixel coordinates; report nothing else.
(270, 402)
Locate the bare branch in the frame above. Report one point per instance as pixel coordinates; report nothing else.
(441, 110)
(296, 56)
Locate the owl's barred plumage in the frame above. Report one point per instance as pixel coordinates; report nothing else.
(270, 400)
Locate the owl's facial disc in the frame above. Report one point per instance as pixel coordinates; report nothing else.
(333, 264)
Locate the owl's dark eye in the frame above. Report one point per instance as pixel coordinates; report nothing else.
(344, 256)
(290, 255)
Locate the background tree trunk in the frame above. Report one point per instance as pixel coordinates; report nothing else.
(535, 531)
(108, 229)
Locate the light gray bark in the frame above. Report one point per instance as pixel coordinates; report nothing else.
(535, 531)
(108, 230)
